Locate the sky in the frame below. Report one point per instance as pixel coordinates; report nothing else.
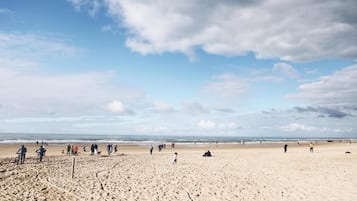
(189, 67)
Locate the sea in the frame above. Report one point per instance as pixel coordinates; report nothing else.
(53, 138)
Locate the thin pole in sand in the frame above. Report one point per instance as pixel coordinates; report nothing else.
(74, 161)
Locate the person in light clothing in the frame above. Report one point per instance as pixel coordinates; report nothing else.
(175, 158)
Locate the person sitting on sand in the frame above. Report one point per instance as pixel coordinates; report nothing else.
(22, 154)
(175, 158)
(41, 152)
(207, 154)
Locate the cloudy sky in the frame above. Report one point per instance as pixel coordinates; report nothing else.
(188, 67)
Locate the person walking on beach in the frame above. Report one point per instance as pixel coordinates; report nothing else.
(311, 147)
(92, 149)
(151, 149)
(285, 148)
(68, 149)
(109, 149)
(41, 152)
(75, 150)
(96, 152)
(22, 154)
(175, 158)
(115, 148)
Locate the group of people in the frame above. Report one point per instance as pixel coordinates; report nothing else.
(22, 154)
(110, 148)
(72, 149)
(161, 146)
(94, 149)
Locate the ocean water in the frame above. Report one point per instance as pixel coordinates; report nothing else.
(52, 138)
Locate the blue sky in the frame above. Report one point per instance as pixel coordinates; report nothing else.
(241, 68)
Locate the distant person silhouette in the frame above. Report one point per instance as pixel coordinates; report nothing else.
(22, 154)
(151, 149)
(41, 152)
(311, 147)
(285, 148)
(175, 158)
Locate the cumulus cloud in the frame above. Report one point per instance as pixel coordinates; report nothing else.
(297, 31)
(286, 70)
(206, 124)
(336, 89)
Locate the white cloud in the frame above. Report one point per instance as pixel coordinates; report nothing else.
(336, 89)
(163, 107)
(93, 6)
(15, 45)
(227, 86)
(286, 70)
(296, 32)
(206, 124)
(233, 125)
(228, 126)
(151, 130)
(106, 28)
(77, 4)
(34, 93)
(193, 108)
(116, 107)
(295, 127)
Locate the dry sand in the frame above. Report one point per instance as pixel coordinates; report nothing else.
(235, 172)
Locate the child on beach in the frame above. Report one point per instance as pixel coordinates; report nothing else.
(175, 158)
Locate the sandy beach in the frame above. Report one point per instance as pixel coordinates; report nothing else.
(235, 172)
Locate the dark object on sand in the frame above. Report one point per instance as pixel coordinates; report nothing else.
(347, 152)
(207, 154)
(329, 140)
